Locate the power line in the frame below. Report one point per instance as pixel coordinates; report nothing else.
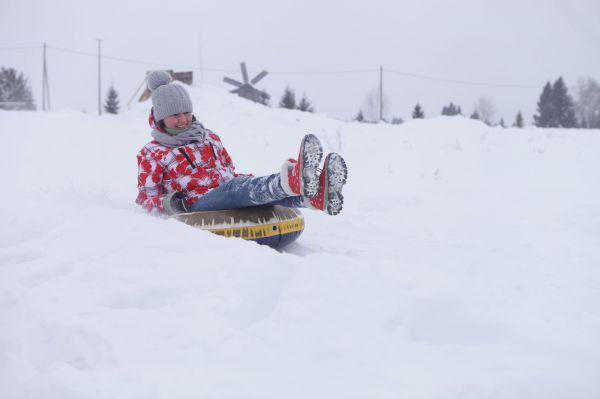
(134, 61)
(317, 72)
(463, 82)
(66, 50)
(21, 48)
(166, 65)
(339, 72)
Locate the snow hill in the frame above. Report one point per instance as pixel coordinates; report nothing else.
(466, 264)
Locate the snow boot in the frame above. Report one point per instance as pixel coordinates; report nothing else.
(331, 181)
(300, 177)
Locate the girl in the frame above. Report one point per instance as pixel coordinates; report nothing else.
(186, 168)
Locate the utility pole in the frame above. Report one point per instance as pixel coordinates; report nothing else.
(99, 77)
(201, 62)
(380, 93)
(45, 85)
(44, 79)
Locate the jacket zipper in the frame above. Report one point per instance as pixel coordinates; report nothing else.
(181, 150)
(187, 157)
(213, 151)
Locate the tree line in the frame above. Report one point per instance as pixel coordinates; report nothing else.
(556, 108)
(15, 93)
(288, 101)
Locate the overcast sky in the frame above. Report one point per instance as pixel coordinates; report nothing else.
(511, 47)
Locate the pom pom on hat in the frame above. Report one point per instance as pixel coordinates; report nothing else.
(157, 79)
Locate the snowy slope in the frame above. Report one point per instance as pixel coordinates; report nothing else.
(464, 265)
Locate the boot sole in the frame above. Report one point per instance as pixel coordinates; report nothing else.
(311, 154)
(337, 175)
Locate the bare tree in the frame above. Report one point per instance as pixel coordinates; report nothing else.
(587, 106)
(484, 107)
(371, 106)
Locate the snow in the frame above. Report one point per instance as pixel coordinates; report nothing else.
(464, 265)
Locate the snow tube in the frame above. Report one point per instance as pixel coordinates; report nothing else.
(275, 226)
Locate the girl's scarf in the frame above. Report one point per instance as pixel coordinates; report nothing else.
(196, 133)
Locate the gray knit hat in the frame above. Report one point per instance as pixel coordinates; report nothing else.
(167, 98)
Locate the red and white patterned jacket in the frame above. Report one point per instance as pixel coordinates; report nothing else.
(192, 169)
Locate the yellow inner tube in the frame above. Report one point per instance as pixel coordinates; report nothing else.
(275, 226)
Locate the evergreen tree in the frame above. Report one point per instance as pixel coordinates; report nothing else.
(111, 104)
(451, 110)
(360, 117)
(475, 115)
(501, 123)
(304, 105)
(15, 93)
(418, 112)
(555, 107)
(563, 105)
(546, 114)
(519, 120)
(288, 100)
(396, 120)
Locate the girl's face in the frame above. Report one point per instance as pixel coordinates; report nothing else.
(178, 121)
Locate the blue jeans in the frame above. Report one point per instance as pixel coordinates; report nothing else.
(246, 191)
